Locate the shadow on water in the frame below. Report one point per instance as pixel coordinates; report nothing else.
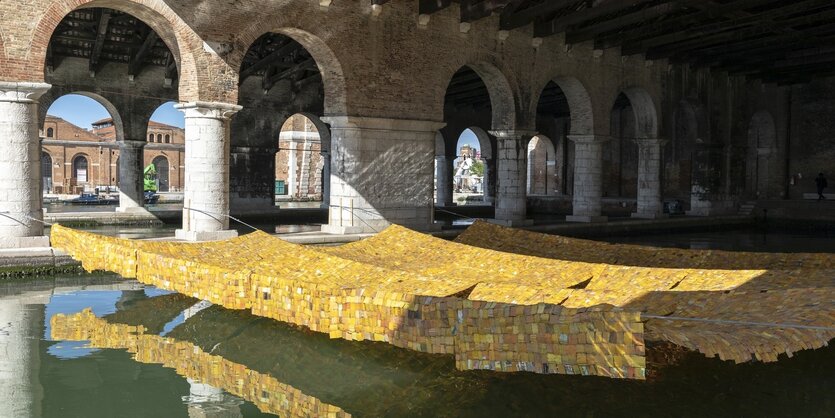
(376, 379)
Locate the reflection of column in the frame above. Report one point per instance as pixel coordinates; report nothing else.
(206, 401)
(20, 166)
(649, 178)
(20, 334)
(381, 173)
(511, 177)
(443, 183)
(588, 178)
(131, 176)
(326, 179)
(206, 188)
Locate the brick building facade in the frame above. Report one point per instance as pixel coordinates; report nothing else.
(299, 163)
(74, 159)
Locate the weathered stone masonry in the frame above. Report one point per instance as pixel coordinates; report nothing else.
(382, 83)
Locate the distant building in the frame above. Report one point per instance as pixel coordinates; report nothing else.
(74, 159)
(298, 162)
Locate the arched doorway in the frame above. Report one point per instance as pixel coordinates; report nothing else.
(163, 172)
(471, 170)
(300, 172)
(46, 172)
(542, 167)
(469, 113)
(88, 124)
(620, 155)
(80, 174)
(281, 147)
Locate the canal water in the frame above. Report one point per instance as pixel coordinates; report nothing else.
(191, 359)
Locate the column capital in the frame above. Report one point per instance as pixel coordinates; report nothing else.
(512, 133)
(648, 142)
(588, 138)
(22, 92)
(208, 110)
(132, 143)
(382, 124)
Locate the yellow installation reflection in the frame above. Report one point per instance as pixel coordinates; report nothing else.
(264, 391)
(497, 310)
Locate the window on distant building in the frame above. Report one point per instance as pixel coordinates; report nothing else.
(159, 138)
(50, 133)
(150, 137)
(167, 139)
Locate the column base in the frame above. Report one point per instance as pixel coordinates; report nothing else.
(133, 209)
(184, 235)
(586, 219)
(346, 230)
(512, 223)
(24, 242)
(637, 215)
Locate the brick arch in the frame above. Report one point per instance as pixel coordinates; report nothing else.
(333, 76)
(322, 128)
(645, 110)
(170, 28)
(52, 96)
(579, 103)
(503, 97)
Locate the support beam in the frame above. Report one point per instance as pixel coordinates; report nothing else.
(381, 173)
(101, 37)
(514, 16)
(206, 191)
(643, 15)
(676, 24)
(269, 81)
(757, 25)
(472, 10)
(275, 56)
(511, 177)
(131, 179)
(588, 178)
(427, 7)
(138, 60)
(20, 154)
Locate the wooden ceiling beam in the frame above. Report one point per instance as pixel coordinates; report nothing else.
(427, 7)
(274, 56)
(101, 37)
(472, 10)
(307, 64)
(762, 23)
(138, 60)
(675, 24)
(515, 16)
(644, 15)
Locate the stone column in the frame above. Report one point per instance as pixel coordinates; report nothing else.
(381, 174)
(20, 166)
(292, 166)
(588, 178)
(443, 181)
(131, 176)
(511, 177)
(326, 180)
(650, 205)
(252, 179)
(206, 188)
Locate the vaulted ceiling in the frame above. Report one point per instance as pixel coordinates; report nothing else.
(103, 35)
(773, 40)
